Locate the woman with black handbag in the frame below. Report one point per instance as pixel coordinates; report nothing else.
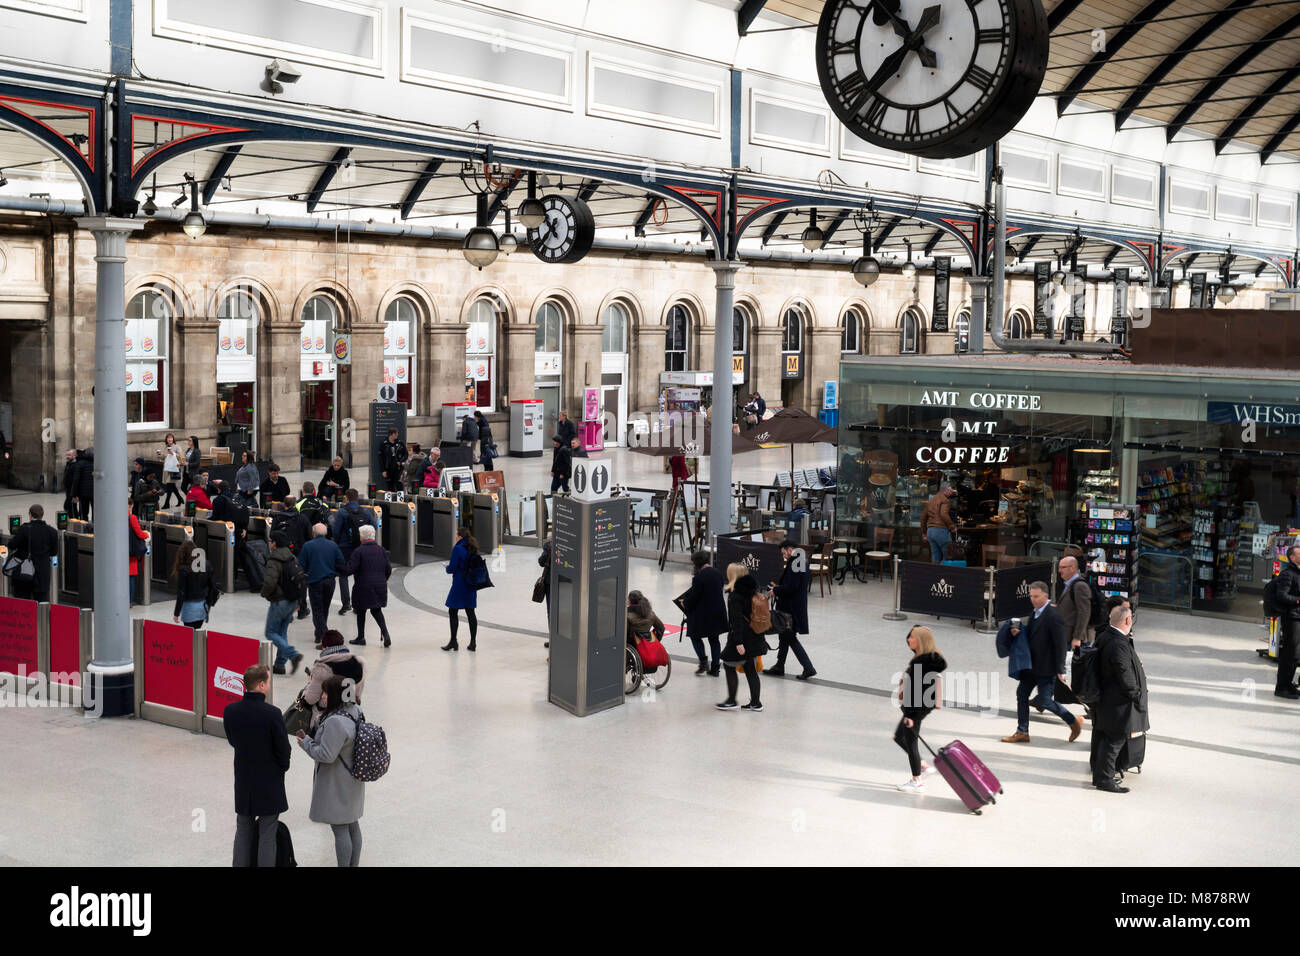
(744, 645)
(462, 596)
(193, 581)
(791, 594)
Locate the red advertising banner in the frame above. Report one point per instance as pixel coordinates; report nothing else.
(229, 655)
(17, 635)
(65, 642)
(169, 665)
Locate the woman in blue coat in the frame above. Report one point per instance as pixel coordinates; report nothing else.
(462, 595)
(705, 607)
(791, 593)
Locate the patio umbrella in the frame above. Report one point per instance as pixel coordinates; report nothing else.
(792, 426)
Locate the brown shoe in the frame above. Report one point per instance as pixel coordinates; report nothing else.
(1016, 738)
(1076, 729)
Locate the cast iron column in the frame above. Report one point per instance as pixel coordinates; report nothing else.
(111, 659)
(724, 275)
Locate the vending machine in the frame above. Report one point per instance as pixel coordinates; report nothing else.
(527, 427)
(590, 432)
(453, 413)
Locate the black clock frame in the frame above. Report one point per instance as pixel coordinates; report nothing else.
(584, 230)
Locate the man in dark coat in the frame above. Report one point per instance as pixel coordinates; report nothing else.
(145, 490)
(38, 541)
(561, 465)
(1288, 595)
(85, 482)
(275, 487)
(705, 607)
(1122, 709)
(70, 483)
(791, 593)
(393, 455)
(565, 429)
(1048, 646)
(256, 730)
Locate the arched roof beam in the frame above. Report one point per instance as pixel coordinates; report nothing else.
(327, 176)
(1061, 13)
(1254, 106)
(773, 226)
(835, 224)
(1238, 64)
(1081, 79)
(219, 170)
(933, 242)
(418, 187)
(1167, 65)
(1278, 138)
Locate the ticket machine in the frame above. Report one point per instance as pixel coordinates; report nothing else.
(527, 428)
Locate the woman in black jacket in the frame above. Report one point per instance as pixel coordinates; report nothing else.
(705, 607)
(743, 645)
(919, 691)
(193, 579)
(193, 463)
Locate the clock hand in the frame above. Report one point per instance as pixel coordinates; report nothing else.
(923, 52)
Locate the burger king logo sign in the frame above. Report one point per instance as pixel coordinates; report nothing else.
(401, 372)
(129, 377)
(239, 343)
(225, 343)
(147, 378)
(320, 345)
(401, 341)
(128, 343)
(148, 344)
(340, 348)
(306, 343)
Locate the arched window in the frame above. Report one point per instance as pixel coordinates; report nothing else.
(961, 331)
(909, 333)
(550, 327)
(677, 340)
(401, 338)
(238, 318)
(739, 331)
(481, 354)
(148, 325)
(1017, 325)
(614, 338)
(851, 333)
(792, 331)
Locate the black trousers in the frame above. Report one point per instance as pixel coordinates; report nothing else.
(1286, 655)
(378, 614)
(1108, 748)
(321, 593)
(715, 648)
(789, 641)
(83, 508)
(909, 738)
(453, 615)
(751, 678)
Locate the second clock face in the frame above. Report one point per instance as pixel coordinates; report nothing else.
(567, 233)
(938, 78)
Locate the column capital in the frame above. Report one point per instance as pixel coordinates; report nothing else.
(724, 272)
(110, 234)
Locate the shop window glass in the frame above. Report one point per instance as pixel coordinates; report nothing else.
(614, 338)
(401, 338)
(677, 340)
(550, 326)
(851, 333)
(909, 334)
(148, 326)
(480, 354)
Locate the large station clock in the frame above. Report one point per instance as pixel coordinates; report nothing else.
(567, 232)
(936, 78)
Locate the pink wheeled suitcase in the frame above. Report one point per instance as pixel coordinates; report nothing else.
(973, 782)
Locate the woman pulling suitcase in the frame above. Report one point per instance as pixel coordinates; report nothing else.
(919, 692)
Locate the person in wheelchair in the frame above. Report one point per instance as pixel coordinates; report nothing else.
(642, 622)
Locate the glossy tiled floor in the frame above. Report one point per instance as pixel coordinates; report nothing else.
(485, 771)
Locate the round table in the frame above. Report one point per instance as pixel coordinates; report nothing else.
(855, 544)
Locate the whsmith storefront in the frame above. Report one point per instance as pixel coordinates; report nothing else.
(1205, 460)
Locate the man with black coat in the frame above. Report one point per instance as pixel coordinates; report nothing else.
(469, 436)
(85, 482)
(393, 455)
(70, 482)
(274, 487)
(791, 593)
(39, 542)
(1048, 646)
(1122, 710)
(225, 508)
(1288, 596)
(565, 429)
(486, 446)
(705, 607)
(561, 465)
(145, 490)
(256, 730)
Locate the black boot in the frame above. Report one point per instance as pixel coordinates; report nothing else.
(472, 642)
(702, 669)
(451, 645)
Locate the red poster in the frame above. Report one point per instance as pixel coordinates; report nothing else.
(169, 665)
(65, 643)
(228, 657)
(17, 636)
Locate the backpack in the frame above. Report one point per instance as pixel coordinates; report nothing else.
(353, 522)
(1272, 607)
(1085, 676)
(370, 757)
(293, 580)
(1097, 616)
(283, 847)
(760, 615)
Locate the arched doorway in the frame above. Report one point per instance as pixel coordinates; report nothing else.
(239, 316)
(794, 322)
(614, 368)
(548, 368)
(961, 331)
(909, 332)
(319, 381)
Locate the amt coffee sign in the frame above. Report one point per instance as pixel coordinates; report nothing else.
(942, 590)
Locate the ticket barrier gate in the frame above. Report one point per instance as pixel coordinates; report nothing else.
(217, 541)
(481, 513)
(436, 521)
(77, 567)
(397, 530)
(167, 533)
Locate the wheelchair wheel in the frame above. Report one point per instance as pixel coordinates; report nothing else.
(632, 672)
(660, 676)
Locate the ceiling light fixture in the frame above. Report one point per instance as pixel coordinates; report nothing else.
(866, 270)
(194, 224)
(508, 241)
(481, 247)
(813, 238)
(531, 212)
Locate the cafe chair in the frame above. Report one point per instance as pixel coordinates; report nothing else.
(882, 551)
(820, 563)
(992, 554)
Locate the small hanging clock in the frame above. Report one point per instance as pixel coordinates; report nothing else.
(567, 233)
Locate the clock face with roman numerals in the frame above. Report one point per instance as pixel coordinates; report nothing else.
(567, 232)
(937, 78)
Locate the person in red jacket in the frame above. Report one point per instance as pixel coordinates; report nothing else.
(680, 472)
(198, 493)
(135, 562)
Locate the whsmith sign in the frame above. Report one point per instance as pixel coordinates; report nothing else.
(1287, 416)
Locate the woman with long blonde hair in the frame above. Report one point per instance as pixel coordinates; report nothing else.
(743, 644)
(919, 691)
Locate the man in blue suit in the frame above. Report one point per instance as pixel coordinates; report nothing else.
(1048, 645)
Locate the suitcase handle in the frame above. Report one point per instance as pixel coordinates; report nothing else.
(927, 746)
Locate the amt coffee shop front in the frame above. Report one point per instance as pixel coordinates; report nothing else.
(1033, 444)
